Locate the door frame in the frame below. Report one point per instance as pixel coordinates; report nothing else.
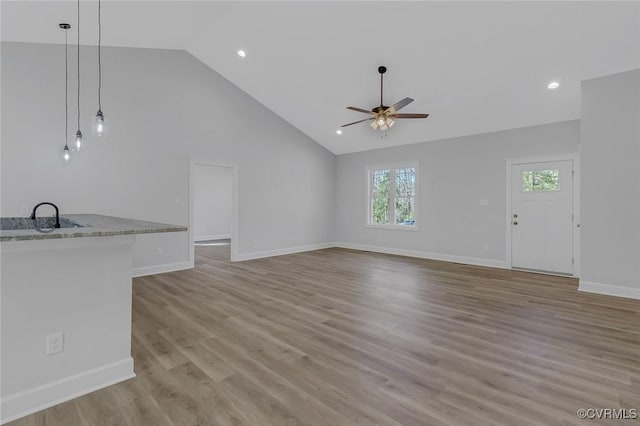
(575, 157)
(193, 162)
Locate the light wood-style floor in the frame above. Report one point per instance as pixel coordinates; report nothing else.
(341, 337)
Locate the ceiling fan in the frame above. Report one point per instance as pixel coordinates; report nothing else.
(383, 117)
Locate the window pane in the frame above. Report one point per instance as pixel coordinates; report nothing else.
(381, 211)
(405, 211)
(541, 180)
(406, 182)
(405, 196)
(380, 197)
(381, 181)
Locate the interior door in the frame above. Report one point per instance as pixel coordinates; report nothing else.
(542, 216)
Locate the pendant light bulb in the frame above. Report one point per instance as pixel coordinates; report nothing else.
(66, 154)
(99, 123)
(78, 140)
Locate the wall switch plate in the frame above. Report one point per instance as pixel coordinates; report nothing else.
(55, 343)
(484, 203)
(160, 251)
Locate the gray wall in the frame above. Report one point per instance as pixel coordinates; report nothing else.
(610, 195)
(453, 176)
(163, 107)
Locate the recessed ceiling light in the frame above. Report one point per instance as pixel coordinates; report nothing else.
(338, 132)
(553, 85)
(242, 53)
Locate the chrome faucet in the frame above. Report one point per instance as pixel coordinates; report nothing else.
(33, 213)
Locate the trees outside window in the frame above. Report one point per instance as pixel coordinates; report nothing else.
(541, 180)
(392, 196)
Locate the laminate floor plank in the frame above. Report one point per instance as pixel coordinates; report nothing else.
(342, 337)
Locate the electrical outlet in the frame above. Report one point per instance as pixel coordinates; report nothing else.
(55, 343)
(24, 210)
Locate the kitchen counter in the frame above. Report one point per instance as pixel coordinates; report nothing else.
(91, 225)
(71, 284)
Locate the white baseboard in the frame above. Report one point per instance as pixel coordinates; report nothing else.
(160, 269)
(32, 400)
(279, 252)
(608, 289)
(212, 237)
(492, 263)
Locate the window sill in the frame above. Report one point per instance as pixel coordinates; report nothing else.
(393, 227)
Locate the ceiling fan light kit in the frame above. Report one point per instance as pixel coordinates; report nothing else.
(384, 117)
(382, 123)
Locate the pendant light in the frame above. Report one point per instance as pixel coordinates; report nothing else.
(99, 122)
(78, 132)
(65, 151)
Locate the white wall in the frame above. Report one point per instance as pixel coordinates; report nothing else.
(610, 195)
(453, 176)
(80, 287)
(163, 107)
(212, 198)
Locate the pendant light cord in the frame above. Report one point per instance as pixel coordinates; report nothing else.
(78, 27)
(99, 55)
(66, 88)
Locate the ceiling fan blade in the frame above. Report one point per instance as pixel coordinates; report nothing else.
(366, 111)
(359, 121)
(408, 115)
(399, 105)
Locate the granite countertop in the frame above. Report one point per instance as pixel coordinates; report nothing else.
(90, 225)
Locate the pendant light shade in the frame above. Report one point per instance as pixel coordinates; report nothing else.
(78, 140)
(99, 124)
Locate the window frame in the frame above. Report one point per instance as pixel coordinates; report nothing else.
(392, 167)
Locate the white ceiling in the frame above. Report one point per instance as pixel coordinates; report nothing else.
(474, 66)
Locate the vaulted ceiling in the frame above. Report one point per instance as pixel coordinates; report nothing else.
(474, 66)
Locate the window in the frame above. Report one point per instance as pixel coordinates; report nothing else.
(541, 180)
(392, 197)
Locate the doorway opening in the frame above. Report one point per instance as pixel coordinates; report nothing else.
(213, 203)
(543, 215)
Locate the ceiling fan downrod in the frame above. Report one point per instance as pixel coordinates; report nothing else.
(381, 69)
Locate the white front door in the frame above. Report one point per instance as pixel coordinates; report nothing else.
(542, 216)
